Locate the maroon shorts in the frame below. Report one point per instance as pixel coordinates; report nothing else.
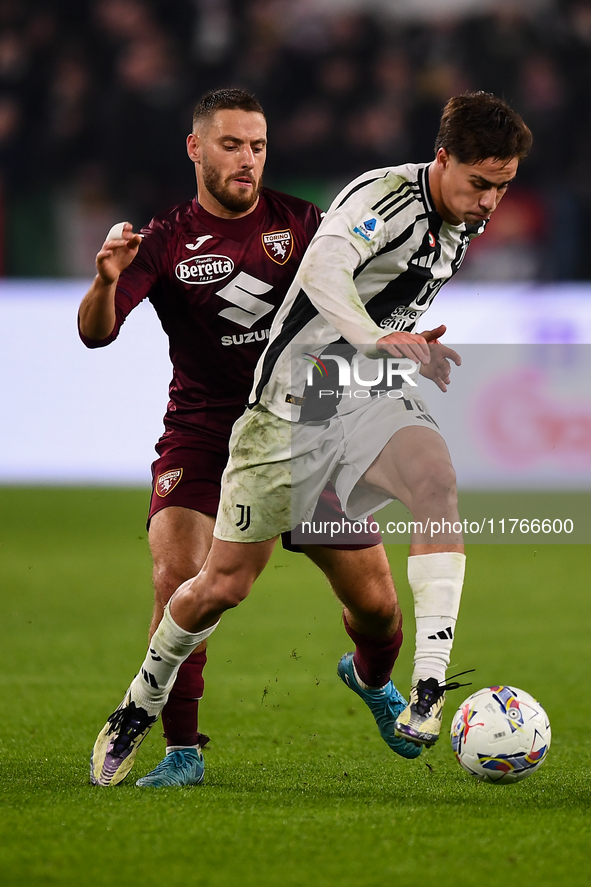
(188, 474)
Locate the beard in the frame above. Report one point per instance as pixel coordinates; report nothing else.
(220, 189)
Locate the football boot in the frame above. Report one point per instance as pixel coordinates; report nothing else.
(385, 704)
(118, 742)
(185, 766)
(420, 721)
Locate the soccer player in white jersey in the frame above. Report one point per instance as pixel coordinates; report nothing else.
(387, 244)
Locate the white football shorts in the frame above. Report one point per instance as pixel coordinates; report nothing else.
(277, 469)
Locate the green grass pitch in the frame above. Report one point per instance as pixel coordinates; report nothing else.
(299, 789)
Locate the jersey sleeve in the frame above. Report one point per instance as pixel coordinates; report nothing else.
(326, 275)
(136, 282)
(357, 218)
(352, 233)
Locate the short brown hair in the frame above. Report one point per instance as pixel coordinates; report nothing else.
(478, 125)
(224, 100)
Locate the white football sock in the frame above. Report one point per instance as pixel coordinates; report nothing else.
(169, 647)
(436, 581)
(171, 748)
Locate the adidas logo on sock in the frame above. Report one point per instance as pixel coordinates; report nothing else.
(150, 679)
(445, 635)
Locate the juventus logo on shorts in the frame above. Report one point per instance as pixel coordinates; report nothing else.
(244, 522)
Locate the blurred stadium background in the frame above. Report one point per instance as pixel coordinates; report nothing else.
(96, 100)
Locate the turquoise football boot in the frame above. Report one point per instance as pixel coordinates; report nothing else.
(182, 767)
(385, 704)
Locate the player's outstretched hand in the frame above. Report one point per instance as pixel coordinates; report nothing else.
(438, 369)
(118, 251)
(406, 345)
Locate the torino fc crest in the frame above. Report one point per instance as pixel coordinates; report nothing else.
(167, 482)
(278, 245)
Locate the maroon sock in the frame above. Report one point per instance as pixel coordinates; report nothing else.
(179, 715)
(374, 658)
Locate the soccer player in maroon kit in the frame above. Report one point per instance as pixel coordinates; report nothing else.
(216, 269)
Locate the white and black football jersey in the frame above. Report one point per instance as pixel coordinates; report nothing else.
(403, 253)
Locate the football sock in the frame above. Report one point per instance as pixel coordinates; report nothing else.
(169, 647)
(436, 581)
(171, 748)
(179, 715)
(374, 657)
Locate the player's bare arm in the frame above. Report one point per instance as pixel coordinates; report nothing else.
(409, 345)
(97, 310)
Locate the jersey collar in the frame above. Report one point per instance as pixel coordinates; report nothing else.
(423, 180)
(234, 229)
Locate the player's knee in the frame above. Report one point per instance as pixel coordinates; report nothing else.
(436, 485)
(377, 618)
(173, 566)
(222, 591)
(164, 585)
(231, 590)
(375, 601)
(381, 612)
(166, 580)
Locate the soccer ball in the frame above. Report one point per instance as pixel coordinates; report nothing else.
(500, 734)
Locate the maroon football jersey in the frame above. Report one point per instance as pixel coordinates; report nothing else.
(216, 285)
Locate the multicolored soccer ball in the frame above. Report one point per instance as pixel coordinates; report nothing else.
(500, 734)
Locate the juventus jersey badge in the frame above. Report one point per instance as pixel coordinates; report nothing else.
(278, 245)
